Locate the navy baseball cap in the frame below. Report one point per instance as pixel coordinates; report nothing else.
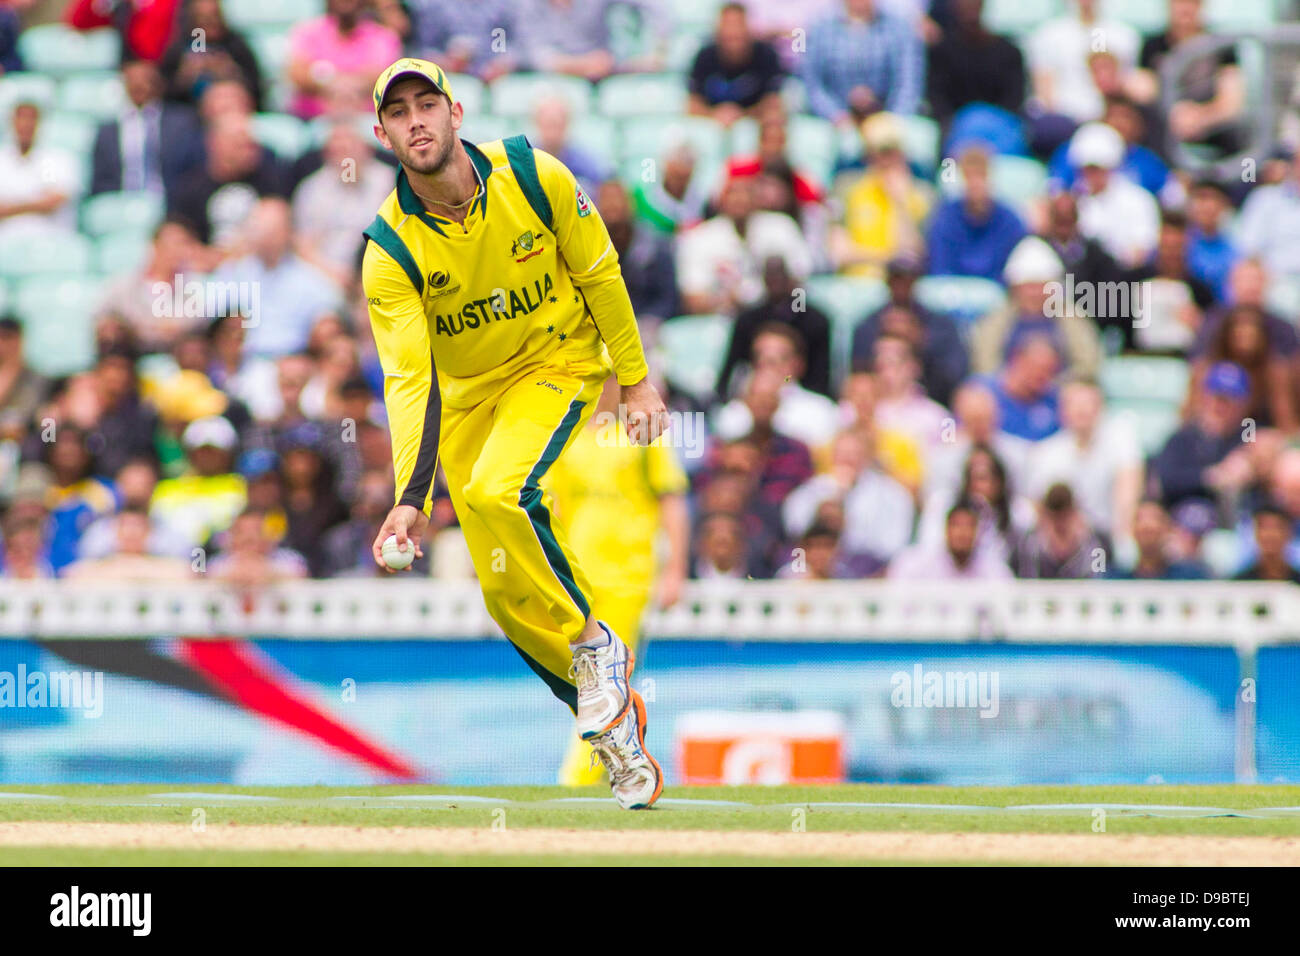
(1228, 380)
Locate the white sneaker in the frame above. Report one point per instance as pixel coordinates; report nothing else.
(602, 675)
(634, 776)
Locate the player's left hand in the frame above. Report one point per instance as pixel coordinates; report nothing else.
(647, 418)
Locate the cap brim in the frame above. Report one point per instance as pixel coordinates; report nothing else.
(397, 77)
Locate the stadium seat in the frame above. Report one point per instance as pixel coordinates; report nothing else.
(58, 319)
(58, 49)
(1232, 15)
(1221, 551)
(71, 132)
(814, 145)
(635, 94)
(254, 13)
(596, 135)
(286, 136)
(1145, 16)
(4, 298)
(683, 46)
(846, 300)
(692, 348)
(271, 47)
(1153, 421)
(97, 94)
(650, 137)
(471, 92)
(121, 253)
(697, 14)
(921, 143)
(137, 212)
(1283, 297)
(1019, 17)
(25, 88)
(1017, 181)
(515, 94)
(1145, 378)
(44, 254)
(965, 298)
(484, 127)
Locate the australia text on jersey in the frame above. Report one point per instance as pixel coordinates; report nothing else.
(500, 305)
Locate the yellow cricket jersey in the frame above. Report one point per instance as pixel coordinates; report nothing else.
(529, 278)
(607, 494)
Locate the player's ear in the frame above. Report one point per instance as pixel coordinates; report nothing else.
(457, 115)
(382, 136)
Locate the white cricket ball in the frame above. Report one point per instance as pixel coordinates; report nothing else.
(394, 556)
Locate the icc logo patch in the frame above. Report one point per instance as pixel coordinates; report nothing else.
(438, 280)
(584, 204)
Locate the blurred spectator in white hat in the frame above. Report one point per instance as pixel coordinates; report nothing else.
(1114, 210)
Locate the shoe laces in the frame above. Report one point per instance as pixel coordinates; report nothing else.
(584, 670)
(617, 758)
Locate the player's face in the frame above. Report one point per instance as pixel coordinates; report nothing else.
(419, 125)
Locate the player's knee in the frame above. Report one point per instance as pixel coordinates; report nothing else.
(487, 496)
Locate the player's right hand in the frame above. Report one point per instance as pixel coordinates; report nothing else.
(408, 523)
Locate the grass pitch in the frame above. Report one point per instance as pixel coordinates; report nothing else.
(161, 825)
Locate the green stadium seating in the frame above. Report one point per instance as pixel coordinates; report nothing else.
(255, 13)
(966, 298)
(58, 316)
(98, 94)
(1018, 17)
(286, 136)
(683, 47)
(271, 47)
(637, 94)
(814, 144)
(1154, 421)
(1018, 180)
(57, 49)
(846, 300)
(484, 127)
(650, 137)
(25, 88)
(596, 135)
(471, 92)
(515, 94)
(1221, 551)
(136, 212)
(1145, 16)
(1229, 15)
(1283, 297)
(692, 348)
(4, 298)
(44, 254)
(695, 14)
(1145, 378)
(921, 143)
(71, 132)
(121, 253)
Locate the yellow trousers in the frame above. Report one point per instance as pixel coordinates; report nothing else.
(494, 454)
(622, 610)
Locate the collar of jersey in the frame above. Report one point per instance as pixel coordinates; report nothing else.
(410, 203)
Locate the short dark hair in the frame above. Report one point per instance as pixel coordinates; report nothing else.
(1270, 506)
(787, 332)
(967, 505)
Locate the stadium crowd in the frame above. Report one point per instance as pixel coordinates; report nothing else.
(924, 442)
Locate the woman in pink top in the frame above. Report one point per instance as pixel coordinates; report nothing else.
(343, 44)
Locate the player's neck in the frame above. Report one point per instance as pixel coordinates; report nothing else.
(445, 192)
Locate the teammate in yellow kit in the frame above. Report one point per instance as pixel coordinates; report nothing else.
(615, 499)
(489, 271)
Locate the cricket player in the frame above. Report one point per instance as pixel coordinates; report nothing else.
(618, 503)
(499, 311)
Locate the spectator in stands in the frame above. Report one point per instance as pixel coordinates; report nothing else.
(1247, 285)
(76, 495)
(22, 388)
(11, 60)
(38, 183)
(130, 558)
(820, 557)
(720, 552)
(883, 208)
(292, 294)
(345, 549)
(960, 556)
(720, 261)
(133, 488)
(736, 74)
(551, 124)
(1186, 467)
(974, 422)
(329, 203)
(972, 65)
(1211, 92)
(1274, 530)
(188, 66)
(776, 463)
(781, 304)
(1174, 301)
(1005, 515)
(778, 361)
(1065, 94)
(26, 542)
(645, 257)
(344, 44)
(675, 199)
(206, 498)
(1210, 251)
(1036, 308)
(127, 424)
(878, 511)
(151, 145)
(146, 26)
(252, 559)
(1061, 545)
(336, 364)
(1082, 257)
(896, 453)
(249, 379)
(861, 59)
(901, 402)
(934, 336)
(1113, 209)
(472, 38)
(310, 503)
(807, 195)
(219, 196)
(146, 300)
(1242, 340)
(1025, 391)
(1268, 228)
(973, 235)
(1097, 456)
(1140, 164)
(1153, 534)
(573, 36)
(222, 97)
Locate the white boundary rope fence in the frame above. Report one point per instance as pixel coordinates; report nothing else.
(1207, 613)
